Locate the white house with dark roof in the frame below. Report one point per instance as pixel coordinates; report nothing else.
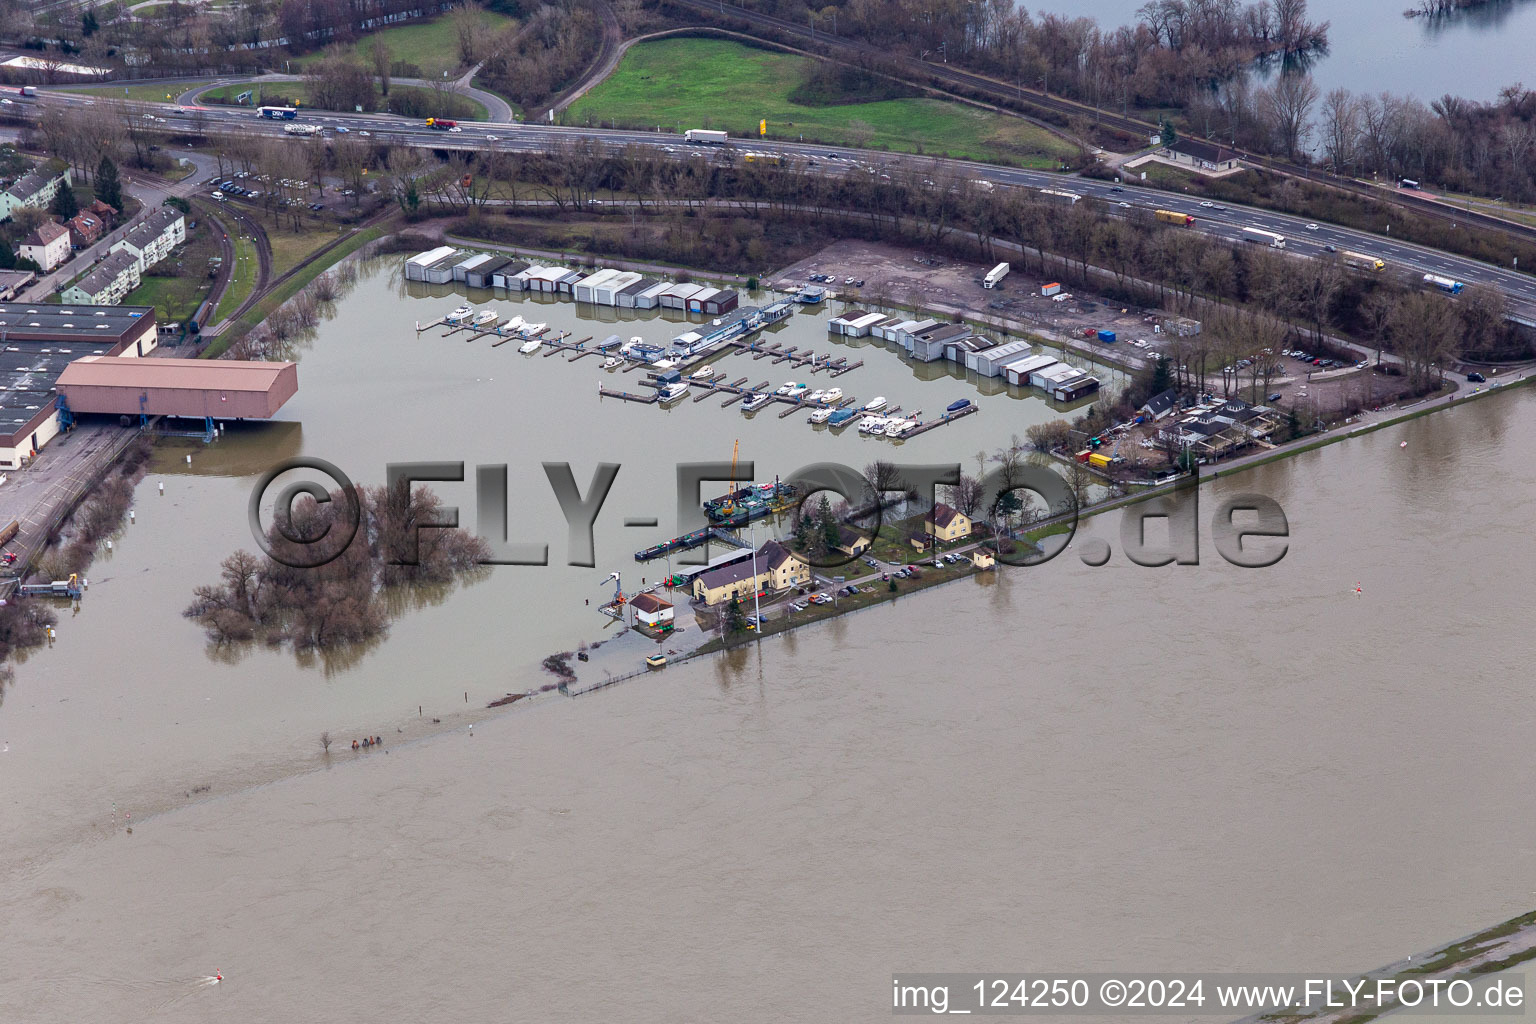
(35, 188)
(152, 238)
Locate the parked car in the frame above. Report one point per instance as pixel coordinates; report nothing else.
(1477, 378)
(1274, 397)
(219, 196)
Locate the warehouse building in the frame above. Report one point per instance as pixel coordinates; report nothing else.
(435, 266)
(855, 323)
(39, 342)
(990, 362)
(221, 389)
(469, 265)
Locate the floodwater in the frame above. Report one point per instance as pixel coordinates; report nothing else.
(1372, 47)
(1059, 768)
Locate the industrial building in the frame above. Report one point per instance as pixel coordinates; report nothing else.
(990, 362)
(220, 389)
(470, 264)
(927, 345)
(855, 323)
(40, 342)
(435, 266)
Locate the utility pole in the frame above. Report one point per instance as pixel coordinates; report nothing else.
(757, 604)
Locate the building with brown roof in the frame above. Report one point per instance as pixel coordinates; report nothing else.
(652, 611)
(946, 524)
(85, 229)
(47, 245)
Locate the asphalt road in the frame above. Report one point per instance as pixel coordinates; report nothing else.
(1222, 220)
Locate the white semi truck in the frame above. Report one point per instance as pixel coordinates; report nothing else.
(706, 137)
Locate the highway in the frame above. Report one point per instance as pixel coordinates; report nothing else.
(1221, 220)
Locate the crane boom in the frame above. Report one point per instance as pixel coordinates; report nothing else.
(730, 503)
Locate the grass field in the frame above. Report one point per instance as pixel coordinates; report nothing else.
(431, 45)
(243, 280)
(299, 92)
(289, 248)
(142, 93)
(710, 83)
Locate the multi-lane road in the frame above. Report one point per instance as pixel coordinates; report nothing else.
(1222, 220)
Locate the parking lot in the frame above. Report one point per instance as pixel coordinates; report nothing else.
(269, 191)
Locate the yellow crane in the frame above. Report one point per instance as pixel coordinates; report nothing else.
(730, 502)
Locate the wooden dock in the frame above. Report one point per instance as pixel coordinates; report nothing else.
(847, 369)
(948, 417)
(626, 396)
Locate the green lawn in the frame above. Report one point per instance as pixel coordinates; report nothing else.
(711, 83)
(431, 45)
(142, 93)
(300, 92)
(243, 280)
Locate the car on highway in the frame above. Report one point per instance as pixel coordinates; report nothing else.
(364, 135)
(7, 103)
(455, 128)
(1124, 206)
(1207, 205)
(340, 130)
(1116, 188)
(1330, 248)
(1311, 227)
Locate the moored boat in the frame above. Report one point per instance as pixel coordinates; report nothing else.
(832, 395)
(754, 401)
(459, 314)
(672, 392)
(531, 345)
(878, 402)
(702, 373)
(484, 317)
(820, 415)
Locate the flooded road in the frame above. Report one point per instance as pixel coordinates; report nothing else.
(1058, 768)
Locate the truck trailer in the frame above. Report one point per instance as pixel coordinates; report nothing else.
(1183, 220)
(703, 136)
(995, 275)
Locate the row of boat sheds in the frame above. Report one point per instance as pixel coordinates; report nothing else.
(929, 340)
(625, 289)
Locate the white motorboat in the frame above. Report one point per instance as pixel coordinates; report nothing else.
(821, 415)
(753, 402)
(797, 390)
(867, 424)
(787, 387)
(485, 316)
(832, 395)
(815, 396)
(898, 427)
(531, 345)
(672, 392)
(463, 312)
(878, 402)
(611, 362)
(534, 328)
(515, 324)
(702, 373)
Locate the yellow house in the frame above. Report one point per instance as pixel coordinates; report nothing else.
(947, 525)
(981, 558)
(778, 568)
(851, 541)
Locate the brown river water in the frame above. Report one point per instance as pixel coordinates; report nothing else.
(1058, 768)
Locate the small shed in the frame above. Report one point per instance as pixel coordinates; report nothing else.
(652, 612)
(628, 296)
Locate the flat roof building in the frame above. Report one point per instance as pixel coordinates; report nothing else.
(232, 389)
(37, 343)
